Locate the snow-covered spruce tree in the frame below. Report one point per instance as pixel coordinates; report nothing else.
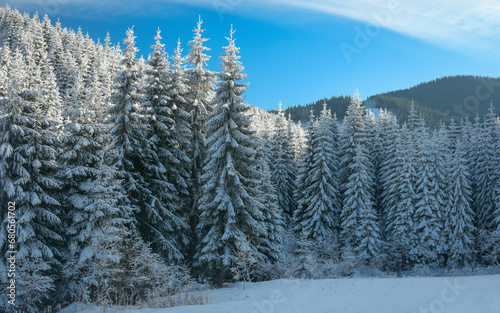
(487, 173)
(399, 215)
(100, 218)
(5, 60)
(169, 184)
(471, 134)
(76, 47)
(454, 134)
(388, 134)
(442, 160)
(357, 174)
(486, 182)
(413, 119)
(370, 245)
(273, 216)
(264, 126)
(318, 212)
(40, 71)
(54, 49)
(96, 205)
(231, 217)
(304, 164)
(13, 24)
(372, 138)
(134, 155)
(90, 62)
(246, 265)
(178, 101)
(427, 244)
(459, 221)
(270, 246)
(108, 263)
(305, 266)
(48, 32)
(360, 229)
(273, 246)
(110, 66)
(64, 63)
(284, 171)
(400, 147)
(143, 275)
(297, 138)
(353, 135)
(491, 246)
(335, 129)
(374, 148)
(201, 85)
(27, 180)
(127, 131)
(97, 80)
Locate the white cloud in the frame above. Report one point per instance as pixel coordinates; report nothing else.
(458, 24)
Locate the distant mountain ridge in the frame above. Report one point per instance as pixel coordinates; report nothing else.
(302, 113)
(438, 100)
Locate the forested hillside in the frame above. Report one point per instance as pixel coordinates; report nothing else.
(438, 100)
(444, 98)
(301, 113)
(124, 180)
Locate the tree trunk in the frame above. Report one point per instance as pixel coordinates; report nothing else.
(219, 276)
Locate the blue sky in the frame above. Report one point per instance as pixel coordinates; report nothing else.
(299, 51)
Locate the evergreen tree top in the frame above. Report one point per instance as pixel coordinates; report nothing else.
(196, 57)
(177, 57)
(311, 116)
(231, 67)
(158, 46)
(281, 112)
(158, 59)
(131, 50)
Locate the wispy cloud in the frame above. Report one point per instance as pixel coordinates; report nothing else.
(457, 24)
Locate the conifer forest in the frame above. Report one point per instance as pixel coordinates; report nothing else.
(131, 178)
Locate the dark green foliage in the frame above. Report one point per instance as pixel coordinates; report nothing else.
(443, 98)
(440, 99)
(298, 112)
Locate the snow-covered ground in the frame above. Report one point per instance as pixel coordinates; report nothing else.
(475, 294)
